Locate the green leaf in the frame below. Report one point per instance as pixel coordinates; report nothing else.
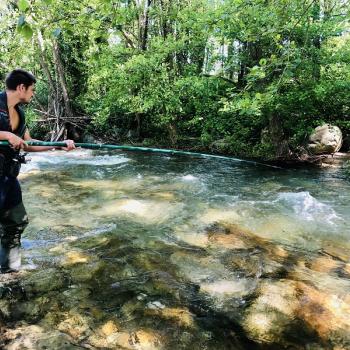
(23, 5)
(95, 24)
(26, 31)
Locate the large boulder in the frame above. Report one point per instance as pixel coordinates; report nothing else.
(325, 139)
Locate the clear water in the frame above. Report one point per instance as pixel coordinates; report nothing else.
(148, 218)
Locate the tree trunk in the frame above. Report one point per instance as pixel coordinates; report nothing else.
(62, 79)
(43, 63)
(277, 138)
(242, 65)
(144, 26)
(316, 42)
(172, 134)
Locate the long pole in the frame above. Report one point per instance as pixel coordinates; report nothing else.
(139, 149)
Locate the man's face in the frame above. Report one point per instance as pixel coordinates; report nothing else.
(26, 94)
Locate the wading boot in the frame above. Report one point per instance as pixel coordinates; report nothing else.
(10, 259)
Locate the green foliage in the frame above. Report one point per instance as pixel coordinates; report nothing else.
(247, 73)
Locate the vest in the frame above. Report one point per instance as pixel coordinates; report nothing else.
(5, 124)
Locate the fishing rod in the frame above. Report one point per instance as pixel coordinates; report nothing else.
(138, 148)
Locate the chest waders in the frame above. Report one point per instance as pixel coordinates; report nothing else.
(13, 216)
(13, 221)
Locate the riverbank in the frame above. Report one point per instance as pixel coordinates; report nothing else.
(193, 144)
(335, 160)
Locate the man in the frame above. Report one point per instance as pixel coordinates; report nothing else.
(20, 88)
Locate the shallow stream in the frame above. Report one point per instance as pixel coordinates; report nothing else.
(159, 252)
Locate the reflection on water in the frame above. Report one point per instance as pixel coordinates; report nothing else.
(155, 252)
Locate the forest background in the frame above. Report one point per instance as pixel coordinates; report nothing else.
(245, 77)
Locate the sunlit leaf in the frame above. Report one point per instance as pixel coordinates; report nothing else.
(96, 24)
(23, 5)
(26, 31)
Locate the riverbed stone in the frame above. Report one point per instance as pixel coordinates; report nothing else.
(228, 288)
(325, 139)
(197, 268)
(179, 315)
(246, 252)
(75, 295)
(243, 263)
(338, 252)
(143, 339)
(145, 211)
(29, 337)
(225, 236)
(270, 314)
(76, 324)
(44, 281)
(225, 241)
(33, 309)
(325, 264)
(146, 339)
(86, 272)
(5, 309)
(108, 328)
(327, 314)
(189, 235)
(75, 257)
(213, 215)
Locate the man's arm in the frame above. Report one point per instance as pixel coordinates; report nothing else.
(14, 140)
(70, 145)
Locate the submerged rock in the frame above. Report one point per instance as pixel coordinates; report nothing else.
(255, 263)
(79, 265)
(146, 339)
(75, 257)
(236, 288)
(326, 314)
(341, 253)
(108, 328)
(198, 268)
(189, 235)
(180, 316)
(140, 339)
(325, 264)
(76, 324)
(273, 311)
(27, 337)
(236, 238)
(86, 272)
(145, 211)
(219, 215)
(44, 281)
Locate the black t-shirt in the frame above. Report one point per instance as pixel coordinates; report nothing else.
(5, 124)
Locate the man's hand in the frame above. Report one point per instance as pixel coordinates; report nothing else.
(15, 141)
(70, 145)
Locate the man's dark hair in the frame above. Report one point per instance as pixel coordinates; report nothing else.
(18, 77)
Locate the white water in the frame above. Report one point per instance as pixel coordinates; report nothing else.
(37, 161)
